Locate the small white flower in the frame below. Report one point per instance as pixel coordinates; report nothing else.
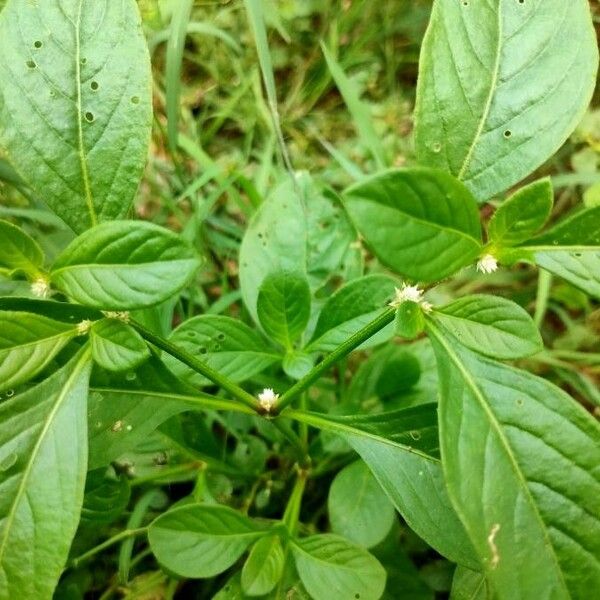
(119, 315)
(267, 399)
(407, 293)
(426, 306)
(84, 327)
(487, 264)
(40, 288)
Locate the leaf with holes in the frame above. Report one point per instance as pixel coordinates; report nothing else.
(43, 440)
(225, 344)
(421, 223)
(116, 346)
(124, 265)
(400, 448)
(18, 251)
(349, 309)
(502, 85)
(491, 325)
(330, 564)
(76, 104)
(358, 508)
(570, 250)
(28, 343)
(283, 306)
(199, 541)
(520, 460)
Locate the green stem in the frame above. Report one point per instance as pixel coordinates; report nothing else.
(342, 350)
(123, 535)
(292, 510)
(197, 365)
(543, 294)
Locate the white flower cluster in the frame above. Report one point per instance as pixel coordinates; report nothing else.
(122, 315)
(267, 399)
(410, 293)
(487, 264)
(40, 288)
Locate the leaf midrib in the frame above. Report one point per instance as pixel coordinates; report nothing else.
(30, 463)
(119, 266)
(472, 384)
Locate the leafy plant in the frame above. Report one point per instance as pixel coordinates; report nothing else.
(257, 439)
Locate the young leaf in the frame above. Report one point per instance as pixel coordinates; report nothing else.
(43, 436)
(349, 309)
(502, 85)
(421, 223)
(570, 250)
(491, 325)
(225, 344)
(263, 567)
(116, 346)
(28, 343)
(521, 216)
(328, 564)
(410, 320)
(200, 541)
(520, 460)
(358, 508)
(76, 112)
(283, 306)
(275, 240)
(398, 448)
(18, 251)
(124, 265)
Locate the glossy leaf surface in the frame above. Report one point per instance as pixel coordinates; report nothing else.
(502, 85)
(116, 346)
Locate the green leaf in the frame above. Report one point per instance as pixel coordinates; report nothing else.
(58, 311)
(410, 320)
(349, 309)
(76, 112)
(116, 346)
(520, 460)
(18, 251)
(570, 250)
(28, 343)
(400, 448)
(283, 306)
(421, 223)
(199, 541)
(124, 265)
(329, 565)
(521, 216)
(502, 85)
(275, 240)
(263, 567)
(106, 498)
(491, 325)
(358, 508)
(468, 585)
(43, 437)
(225, 344)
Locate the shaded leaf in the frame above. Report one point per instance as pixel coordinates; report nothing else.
(18, 251)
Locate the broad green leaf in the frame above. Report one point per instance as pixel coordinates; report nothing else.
(400, 448)
(329, 566)
(124, 411)
(116, 346)
(225, 344)
(263, 567)
(520, 461)
(275, 240)
(28, 343)
(502, 85)
(421, 223)
(283, 306)
(43, 439)
(570, 250)
(58, 311)
(521, 216)
(491, 325)
(199, 541)
(468, 585)
(349, 309)
(358, 508)
(106, 497)
(124, 265)
(76, 104)
(18, 251)
(297, 364)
